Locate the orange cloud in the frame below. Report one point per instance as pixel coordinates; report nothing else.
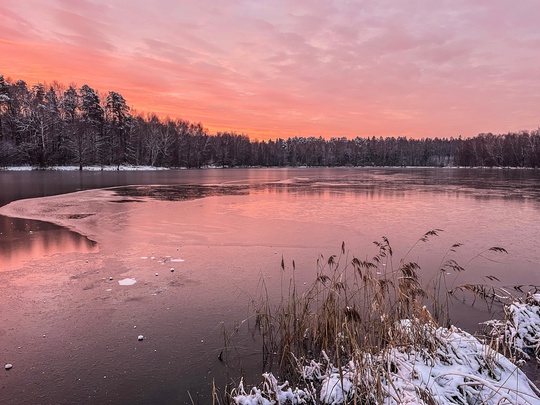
(270, 69)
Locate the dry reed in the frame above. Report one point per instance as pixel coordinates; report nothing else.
(357, 309)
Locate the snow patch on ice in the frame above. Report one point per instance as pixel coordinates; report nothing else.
(127, 281)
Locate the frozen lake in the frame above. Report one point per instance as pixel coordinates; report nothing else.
(196, 245)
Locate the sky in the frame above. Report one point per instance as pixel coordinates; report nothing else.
(280, 68)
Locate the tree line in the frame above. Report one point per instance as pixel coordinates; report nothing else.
(49, 125)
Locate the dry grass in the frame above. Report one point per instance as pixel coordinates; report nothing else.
(353, 306)
(359, 308)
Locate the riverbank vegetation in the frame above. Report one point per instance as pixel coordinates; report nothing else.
(45, 125)
(366, 332)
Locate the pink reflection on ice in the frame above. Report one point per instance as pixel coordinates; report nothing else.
(23, 240)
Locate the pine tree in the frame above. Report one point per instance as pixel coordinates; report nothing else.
(5, 143)
(92, 120)
(77, 143)
(120, 124)
(4, 103)
(70, 104)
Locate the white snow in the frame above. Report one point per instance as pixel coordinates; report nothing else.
(461, 371)
(523, 326)
(127, 281)
(271, 389)
(177, 260)
(88, 168)
(521, 329)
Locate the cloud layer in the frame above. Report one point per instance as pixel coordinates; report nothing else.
(281, 68)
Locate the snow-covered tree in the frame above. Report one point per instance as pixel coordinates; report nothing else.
(70, 104)
(119, 127)
(92, 123)
(6, 147)
(55, 138)
(77, 140)
(4, 103)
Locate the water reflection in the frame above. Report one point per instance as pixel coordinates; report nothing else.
(178, 192)
(482, 183)
(374, 183)
(22, 240)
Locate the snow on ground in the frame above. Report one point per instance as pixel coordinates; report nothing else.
(523, 326)
(271, 388)
(87, 168)
(461, 371)
(521, 329)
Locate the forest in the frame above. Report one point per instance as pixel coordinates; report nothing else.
(57, 125)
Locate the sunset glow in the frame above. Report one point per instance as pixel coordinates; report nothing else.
(276, 68)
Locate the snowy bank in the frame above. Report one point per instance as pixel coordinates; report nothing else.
(520, 331)
(462, 370)
(87, 168)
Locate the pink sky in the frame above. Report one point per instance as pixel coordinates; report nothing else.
(279, 68)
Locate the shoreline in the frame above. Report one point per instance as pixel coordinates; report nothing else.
(210, 167)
